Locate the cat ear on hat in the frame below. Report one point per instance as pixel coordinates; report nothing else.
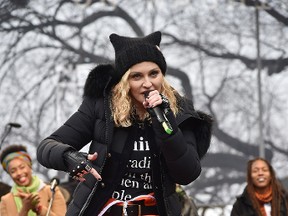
(117, 41)
(132, 50)
(154, 38)
(121, 42)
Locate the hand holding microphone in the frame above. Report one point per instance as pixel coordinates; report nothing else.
(159, 107)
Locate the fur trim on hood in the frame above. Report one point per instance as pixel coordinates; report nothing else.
(99, 80)
(201, 124)
(203, 133)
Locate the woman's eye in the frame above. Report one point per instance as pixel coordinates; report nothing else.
(135, 76)
(154, 73)
(254, 171)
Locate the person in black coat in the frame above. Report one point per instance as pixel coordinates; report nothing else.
(264, 195)
(144, 137)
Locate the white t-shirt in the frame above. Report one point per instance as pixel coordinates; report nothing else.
(267, 207)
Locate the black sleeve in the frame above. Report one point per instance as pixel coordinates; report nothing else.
(235, 209)
(74, 134)
(189, 142)
(180, 153)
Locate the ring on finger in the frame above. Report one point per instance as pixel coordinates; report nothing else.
(88, 168)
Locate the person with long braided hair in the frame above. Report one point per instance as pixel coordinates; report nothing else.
(264, 194)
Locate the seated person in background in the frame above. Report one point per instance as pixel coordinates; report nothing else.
(264, 195)
(29, 195)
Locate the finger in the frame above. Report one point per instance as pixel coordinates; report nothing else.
(35, 196)
(153, 93)
(96, 174)
(22, 195)
(158, 102)
(146, 104)
(35, 201)
(155, 102)
(75, 178)
(78, 178)
(19, 190)
(81, 174)
(92, 157)
(81, 179)
(30, 196)
(155, 99)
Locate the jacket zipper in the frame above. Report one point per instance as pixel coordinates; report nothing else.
(107, 119)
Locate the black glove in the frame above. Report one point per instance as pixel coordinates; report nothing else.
(165, 105)
(77, 163)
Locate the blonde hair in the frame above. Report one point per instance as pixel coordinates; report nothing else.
(122, 105)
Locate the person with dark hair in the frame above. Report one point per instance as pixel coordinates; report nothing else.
(264, 195)
(144, 136)
(29, 195)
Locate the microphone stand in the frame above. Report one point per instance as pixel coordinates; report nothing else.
(51, 202)
(7, 130)
(5, 134)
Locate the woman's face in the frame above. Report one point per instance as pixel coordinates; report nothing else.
(20, 172)
(261, 176)
(143, 77)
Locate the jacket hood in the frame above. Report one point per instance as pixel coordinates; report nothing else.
(203, 133)
(99, 81)
(201, 124)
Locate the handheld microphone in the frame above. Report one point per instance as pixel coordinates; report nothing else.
(13, 124)
(54, 182)
(161, 117)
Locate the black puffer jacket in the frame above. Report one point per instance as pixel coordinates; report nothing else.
(243, 206)
(178, 162)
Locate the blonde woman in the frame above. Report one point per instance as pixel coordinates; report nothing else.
(135, 158)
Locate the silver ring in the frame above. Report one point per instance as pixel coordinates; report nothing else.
(88, 168)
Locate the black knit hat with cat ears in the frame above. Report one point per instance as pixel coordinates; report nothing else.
(130, 51)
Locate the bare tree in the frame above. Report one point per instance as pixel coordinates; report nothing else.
(210, 49)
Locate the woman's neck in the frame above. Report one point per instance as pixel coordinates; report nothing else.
(263, 190)
(140, 112)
